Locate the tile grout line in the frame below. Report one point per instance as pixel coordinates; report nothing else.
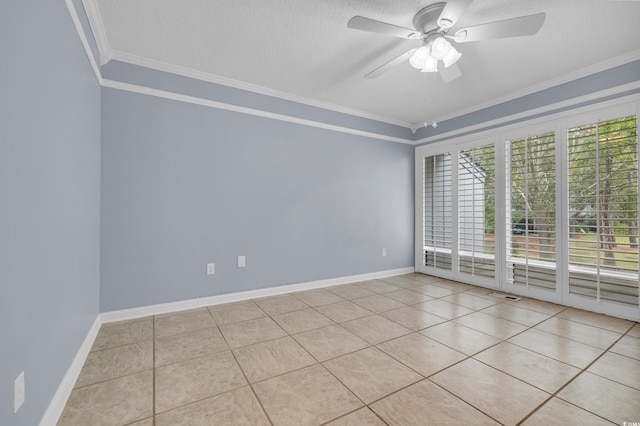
(291, 336)
(530, 350)
(580, 373)
(332, 358)
(486, 349)
(411, 331)
(321, 363)
(483, 350)
(253, 391)
(195, 358)
(596, 326)
(420, 374)
(366, 407)
(463, 400)
(364, 404)
(529, 327)
(449, 366)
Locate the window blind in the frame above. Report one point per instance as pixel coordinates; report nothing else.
(437, 211)
(476, 211)
(531, 227)
(603, 210)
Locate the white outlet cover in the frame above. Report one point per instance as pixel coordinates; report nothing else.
(211, 268)
(242, 261)
(18, 392)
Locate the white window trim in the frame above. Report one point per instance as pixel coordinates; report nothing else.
(559, 123)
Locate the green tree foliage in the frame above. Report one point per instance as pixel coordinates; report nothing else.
(484, 158)
(533, 189)
(603, 185)
(603, 190)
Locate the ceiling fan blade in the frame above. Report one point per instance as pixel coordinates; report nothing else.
(378, 27)
(449, 73)
(514, 27)
(392, 63)
(452, 11)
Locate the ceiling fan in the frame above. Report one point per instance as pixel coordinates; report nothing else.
(432, 25)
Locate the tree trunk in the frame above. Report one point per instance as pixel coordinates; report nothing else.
(607, 236)
(546, 234)
(633, 237)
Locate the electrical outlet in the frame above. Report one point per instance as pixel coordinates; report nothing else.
(242, 261)
(211, 268)
(18, 392)
(384, 251)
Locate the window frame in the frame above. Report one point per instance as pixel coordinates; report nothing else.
(558, 122)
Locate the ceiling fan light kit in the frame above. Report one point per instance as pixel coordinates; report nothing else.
(430, 64)
(419, 58)
(427, 56)
(451, 57)
(440, 47)
(432, 24)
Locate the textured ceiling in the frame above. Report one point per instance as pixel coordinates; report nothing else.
(304, 48)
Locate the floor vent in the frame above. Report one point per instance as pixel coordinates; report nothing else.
(505, 296)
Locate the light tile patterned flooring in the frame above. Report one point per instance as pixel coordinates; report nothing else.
(408, 350)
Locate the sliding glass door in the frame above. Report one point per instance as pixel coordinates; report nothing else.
(531, 215)
(476, 211)
(457, 214)
(603, 211)
(549, 211)
(437, 178)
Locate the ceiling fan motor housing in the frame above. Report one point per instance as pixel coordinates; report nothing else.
(426, 20)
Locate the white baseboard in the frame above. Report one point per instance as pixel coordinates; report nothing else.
(54, 411)
(133, 313)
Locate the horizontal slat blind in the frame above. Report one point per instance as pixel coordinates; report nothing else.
(437, 211)
(531, 230)
(603, 210)
(476, 210)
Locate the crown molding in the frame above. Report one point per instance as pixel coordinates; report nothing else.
(83, 38)
(573, 102)
(106, 54)
(245, 110)
(566, 78)
(224, 81)
(97, 28)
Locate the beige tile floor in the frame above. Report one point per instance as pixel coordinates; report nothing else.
(409, 350)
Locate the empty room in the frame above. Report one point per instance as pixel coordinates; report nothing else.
(319, 213)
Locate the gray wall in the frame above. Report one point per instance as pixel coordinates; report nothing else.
(49, 201)
(183, 185)
(147, 77)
